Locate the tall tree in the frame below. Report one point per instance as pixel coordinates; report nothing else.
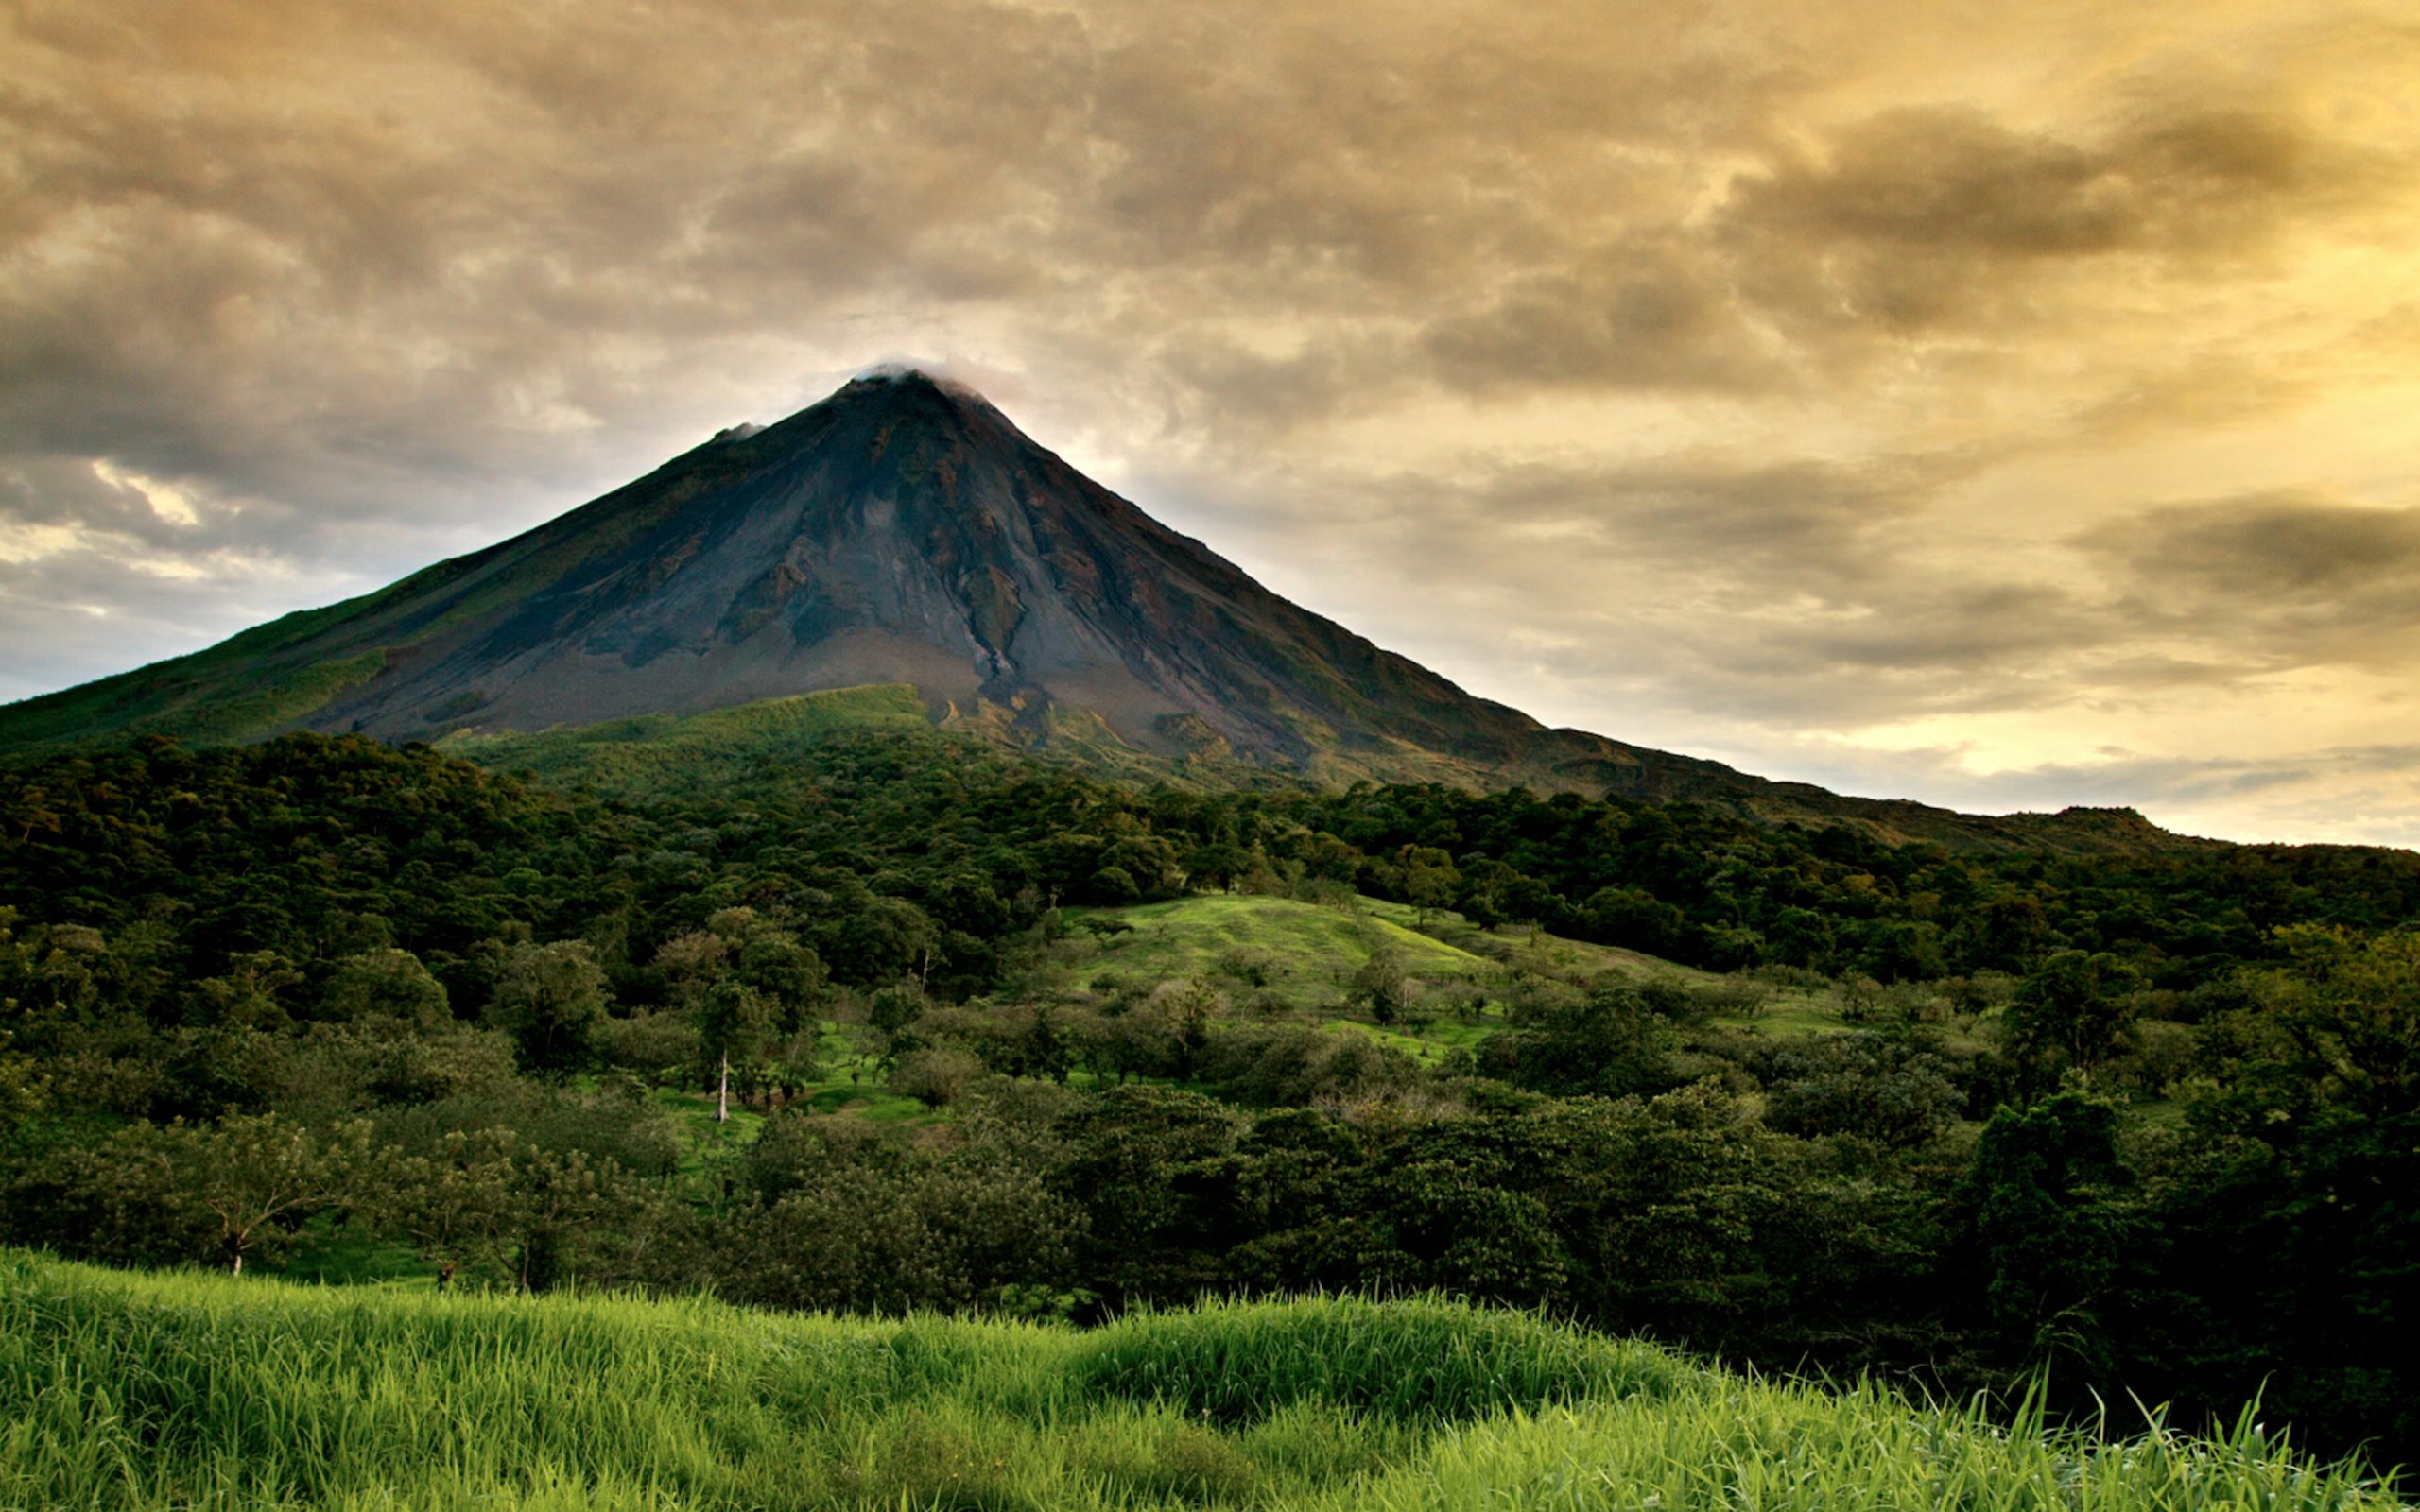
(255, 1174)
(734, 1018)
(453, 1204)
(549, 997)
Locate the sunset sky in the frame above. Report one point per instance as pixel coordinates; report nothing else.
(2007, 406)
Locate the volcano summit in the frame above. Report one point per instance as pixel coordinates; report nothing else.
(903, 531)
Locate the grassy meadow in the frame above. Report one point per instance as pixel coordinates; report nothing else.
(181, 1390)
(1290, 957)
(1302, 956)
(1316, 948)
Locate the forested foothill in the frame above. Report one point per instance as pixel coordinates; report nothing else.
(1001, 1037)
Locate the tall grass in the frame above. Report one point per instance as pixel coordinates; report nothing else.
(1418, 1361)
(193, 1391)
(1726, 1445)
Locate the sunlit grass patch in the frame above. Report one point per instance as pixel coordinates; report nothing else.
(1304, 954)
(189, 1390)
(1416, 1361)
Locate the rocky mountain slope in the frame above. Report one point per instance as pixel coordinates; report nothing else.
(903, 531)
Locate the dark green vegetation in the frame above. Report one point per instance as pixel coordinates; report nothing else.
(193, 1392)
(1009, 1039)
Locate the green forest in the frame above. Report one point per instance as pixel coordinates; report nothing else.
(866, 1018)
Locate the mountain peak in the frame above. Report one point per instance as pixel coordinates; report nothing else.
(890, 396)
(893, 373)
(901, 531)
(898, 381)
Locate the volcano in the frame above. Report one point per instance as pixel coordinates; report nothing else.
(903, 531)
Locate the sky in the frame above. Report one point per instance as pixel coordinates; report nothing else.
(2003, 405)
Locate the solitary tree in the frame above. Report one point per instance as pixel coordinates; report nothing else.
(385, 984)
(1044, 1051)
(1382, 986)
(732, 1019)
(548, 997)
(1429, 879)
(252, 991)
(454, 1203)
(2075, 1004)
(255, 1174)
(936, 1074)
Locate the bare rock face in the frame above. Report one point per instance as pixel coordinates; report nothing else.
(901, 531)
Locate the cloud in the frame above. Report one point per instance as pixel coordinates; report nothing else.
(1665, 367)
(2274, 578)
(1924, 218)
(100, 601)
(2193, 183)
(1645, 313)
(2357, 794)
(1775, 596)
(1728, 610)
(2271, 548)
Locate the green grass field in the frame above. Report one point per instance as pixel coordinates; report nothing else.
(189, 1391)
(1425, 1041)
(1304, 958)
(1518, 946)
(1308, 954)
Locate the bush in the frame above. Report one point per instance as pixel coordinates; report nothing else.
(937, 1075)
(1248, 965)
(1866, 1084)
(1739, 995)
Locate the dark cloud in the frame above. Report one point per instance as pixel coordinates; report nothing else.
(1775, 596)
(1954, 179)
(1920, 217)
(1715, 601)
(1222, 384)
(1805, 527)
(2270, 548)
(2274, 579)
(1643, 313)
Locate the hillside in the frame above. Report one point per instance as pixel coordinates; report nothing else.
(904, 533)
(1284, 954)
(195, 1393)
(899, 531)
(1299, 954)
